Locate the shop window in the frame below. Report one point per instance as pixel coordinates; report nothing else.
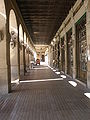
(81, 52)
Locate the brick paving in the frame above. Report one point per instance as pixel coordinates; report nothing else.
(52, 100)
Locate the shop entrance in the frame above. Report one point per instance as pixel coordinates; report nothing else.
(81, 49)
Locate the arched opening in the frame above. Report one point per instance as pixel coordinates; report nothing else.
(20, 33)
(88, 44)
(21, 49)
(3, 59)
(13, 46)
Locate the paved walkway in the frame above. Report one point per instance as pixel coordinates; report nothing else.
(47, 100)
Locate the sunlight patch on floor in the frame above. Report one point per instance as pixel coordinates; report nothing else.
(63, 76)
(87, 95)
(58, 73)
(74, 84)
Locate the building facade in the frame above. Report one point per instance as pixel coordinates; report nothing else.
(74, 43)
(16, 46)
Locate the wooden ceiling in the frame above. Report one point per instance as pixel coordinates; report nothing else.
(44, 17)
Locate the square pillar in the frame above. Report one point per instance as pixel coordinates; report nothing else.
(88, 48)
(74, 46)
(4, 84)
(60, 63)
(65, 53)
(21, 61)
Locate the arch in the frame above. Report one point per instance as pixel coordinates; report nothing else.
(13, 30)
(2, 8)
(20, 33)
(2, 14)
(21, 49)
(12, 22)
(3, 59)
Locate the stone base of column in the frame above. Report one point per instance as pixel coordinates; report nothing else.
(88, 79)
(66, 70)
(3, 81)
(74, 73)
(21, 70)
(14, 72)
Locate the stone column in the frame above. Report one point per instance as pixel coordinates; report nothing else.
(18, 49)
(24, 64)
(74, 44)
(28, 60)
(21, 61)
(5, 77)
(60, 53)
(21, 56)
(88, 44)
(51, 56)
(54, 56)
(3, 67)
(14, 62)
(65, 40)
(27, 57)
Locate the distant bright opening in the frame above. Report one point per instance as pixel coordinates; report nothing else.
(74, 84)
(87, 95)
(46, 59)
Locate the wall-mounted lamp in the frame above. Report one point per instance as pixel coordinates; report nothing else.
(13, 39)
